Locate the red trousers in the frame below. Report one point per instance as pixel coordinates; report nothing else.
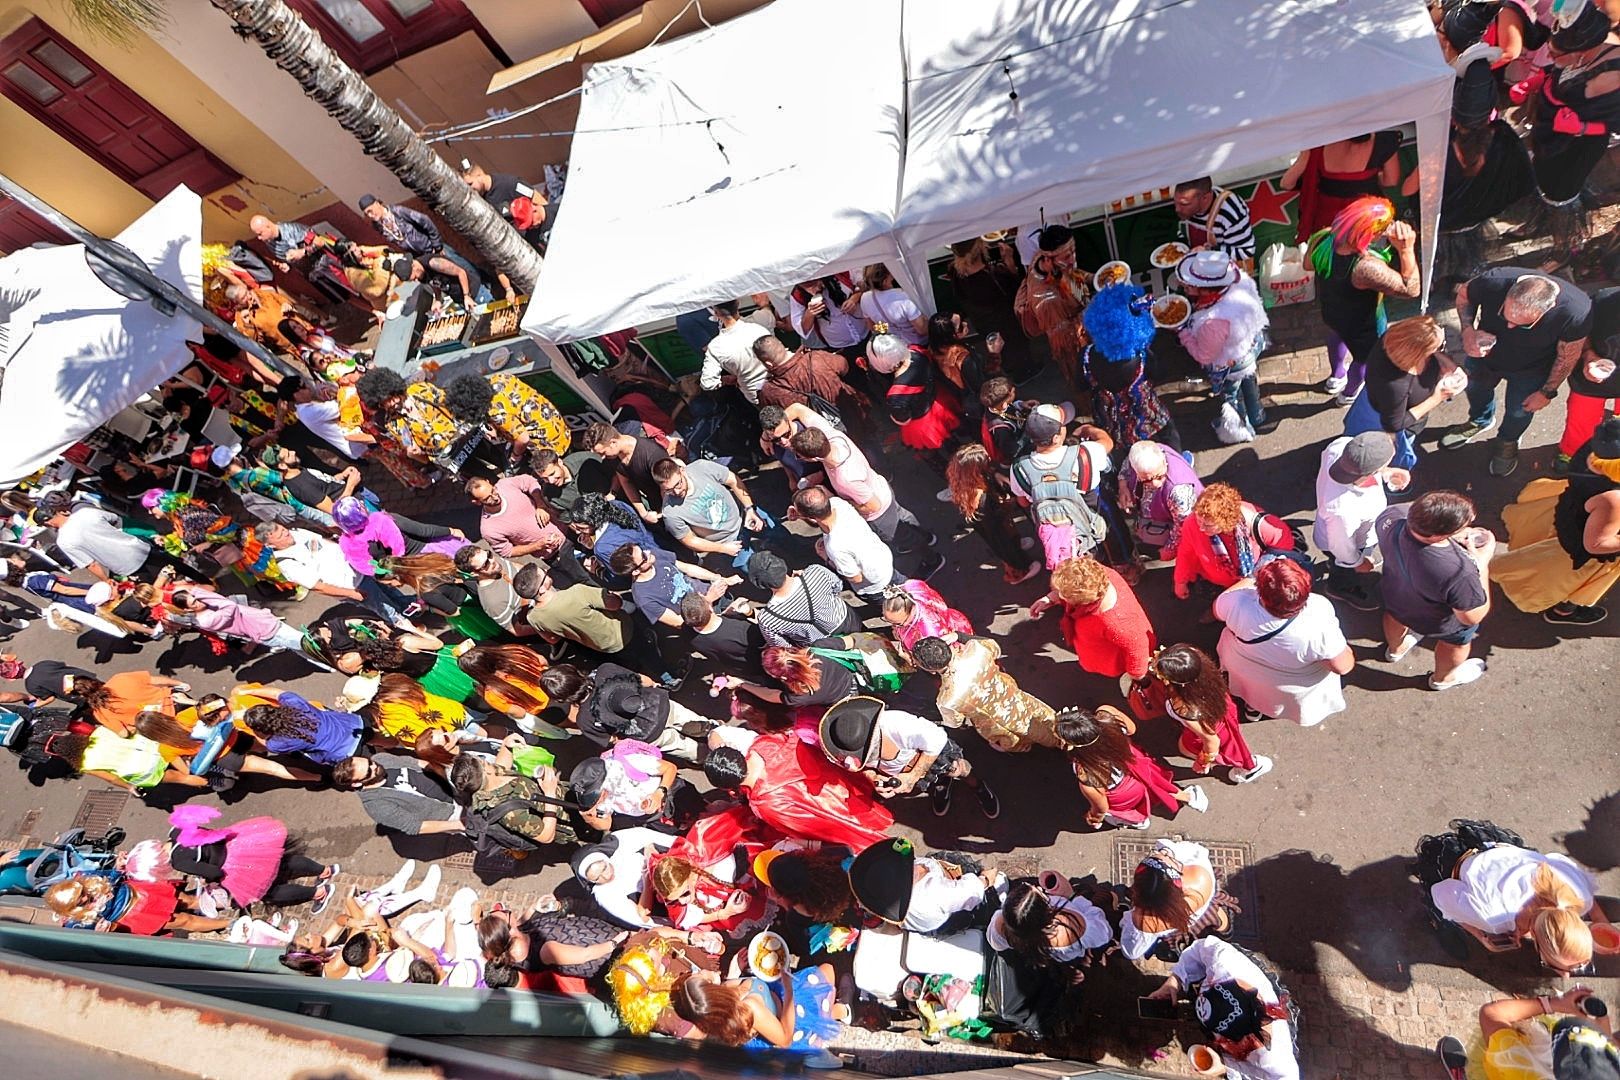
(1584, 416)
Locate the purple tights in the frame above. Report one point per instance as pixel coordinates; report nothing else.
(1345, 366)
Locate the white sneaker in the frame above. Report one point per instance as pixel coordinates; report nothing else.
(398, 882)
(1262, 765)
(1118, 823)
(1196, 799)
(1333, 384)
(1343, 400)
(1471, 670)
(1398, 653)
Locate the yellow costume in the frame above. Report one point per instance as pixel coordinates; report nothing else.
(1537, 572)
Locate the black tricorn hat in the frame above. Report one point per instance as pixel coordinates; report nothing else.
(881, 878)
(849, 732)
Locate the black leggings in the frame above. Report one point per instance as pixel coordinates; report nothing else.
(287, 894)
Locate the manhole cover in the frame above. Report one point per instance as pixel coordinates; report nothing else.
(100, 811)
(1226, 858)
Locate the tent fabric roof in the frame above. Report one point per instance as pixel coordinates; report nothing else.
(910, 138)
(726, 163)
(1121, 96)
(88, 352)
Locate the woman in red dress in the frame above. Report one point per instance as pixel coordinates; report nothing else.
(1102, 620)
(706, 880)
(1330, 178)
(1186, 684)
(1120, 783)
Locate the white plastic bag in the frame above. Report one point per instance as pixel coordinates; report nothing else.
(1231, 426)
(1285, 277)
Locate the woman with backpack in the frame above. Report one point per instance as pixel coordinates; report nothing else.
(1228, 538)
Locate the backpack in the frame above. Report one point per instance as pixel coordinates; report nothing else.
(1053, 496)
(487, 833)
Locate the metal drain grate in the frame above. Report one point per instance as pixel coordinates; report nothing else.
(1226, 858)
(100, 811)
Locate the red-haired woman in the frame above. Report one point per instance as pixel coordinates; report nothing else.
(1282, 649)
(1353, 275)
(808, 682)
(1227, 537)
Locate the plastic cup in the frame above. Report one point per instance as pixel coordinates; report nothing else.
(1205, 1062)
(1599, 368)
(1484, 342)
(1605, 938)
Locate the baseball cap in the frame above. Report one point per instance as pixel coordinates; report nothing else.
(1362, 456)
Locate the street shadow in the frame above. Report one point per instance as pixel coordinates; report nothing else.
(1597, 842)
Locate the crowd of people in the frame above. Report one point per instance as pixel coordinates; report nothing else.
(612, 562)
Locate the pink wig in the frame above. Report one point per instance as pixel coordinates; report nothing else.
(1362, 222)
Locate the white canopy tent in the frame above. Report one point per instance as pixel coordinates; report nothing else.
(897, 132)
(727, 163)
(78, 353)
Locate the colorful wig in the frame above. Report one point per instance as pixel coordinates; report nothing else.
(1356, 227)
(350, 514)
(1119, 321)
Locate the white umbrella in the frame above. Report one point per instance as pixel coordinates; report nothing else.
(74, 352)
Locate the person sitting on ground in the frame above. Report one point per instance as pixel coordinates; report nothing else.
(1581, 1046)
(1174, 899)
(938, 894)
(399, 794)
(1282, 649)
(1436, 583)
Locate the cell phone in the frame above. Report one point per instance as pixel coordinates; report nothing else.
(1157, 1008)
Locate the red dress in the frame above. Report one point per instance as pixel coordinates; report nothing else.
(1144, 782)
(1115, 642)
(926, 409)
(152, 905)
(803, 794)
(1148, 700)
(711, 841)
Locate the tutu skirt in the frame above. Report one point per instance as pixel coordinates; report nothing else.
(253, 858)
(930, 430)
(813, 1026)
(152, 908)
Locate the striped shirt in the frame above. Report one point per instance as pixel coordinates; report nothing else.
(1233, 233)
(812, 609)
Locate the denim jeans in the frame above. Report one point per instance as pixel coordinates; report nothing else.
(1482, 381)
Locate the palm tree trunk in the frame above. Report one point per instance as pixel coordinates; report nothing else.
(339, 89)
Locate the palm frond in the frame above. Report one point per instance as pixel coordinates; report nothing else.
(118, 20)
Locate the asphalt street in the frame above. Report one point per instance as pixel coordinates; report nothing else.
(1531, 746)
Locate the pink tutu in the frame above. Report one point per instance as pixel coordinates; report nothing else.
(253, 858)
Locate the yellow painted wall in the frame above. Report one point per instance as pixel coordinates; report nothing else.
(273, 183)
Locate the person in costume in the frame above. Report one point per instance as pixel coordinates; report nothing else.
(1352, 259)
(792, 788)
(1186, 684)
(797, 1013)
(615, 872)
(250, 859)
(1536, 1038)
(1574, 106)
(201, 528)
(706, 879)
(1245, 1013)
(109, 900)
(1226, 333)
(924, 408)
(901, 753)
(1113, 367)
(916, 610)
(810, 880)
(938, 894)
(365, 535)
(1120, 783)
(1051, 297)
(1175, 898)
(437, 583)
(975, 691)
(1564, 553)
(1103, 621)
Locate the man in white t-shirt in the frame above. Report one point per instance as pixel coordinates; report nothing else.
(851, 475)
(900, 752)
(847, 542)
(1349, 497)
(322, 418)
(93, 539)
(732, 353)
(313, 562)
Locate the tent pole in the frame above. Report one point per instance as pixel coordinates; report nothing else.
(1433, 134)
(162, 295)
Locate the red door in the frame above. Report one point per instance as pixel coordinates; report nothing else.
(20, 227)
(69, 93)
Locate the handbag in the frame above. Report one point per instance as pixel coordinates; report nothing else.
(820, 405)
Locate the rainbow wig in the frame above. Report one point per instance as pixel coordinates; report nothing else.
(1356, 227)
(1119, 322)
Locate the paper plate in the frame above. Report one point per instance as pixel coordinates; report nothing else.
(1171, 311)
(1111, 273)
(1169, 256)
(768, 939)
